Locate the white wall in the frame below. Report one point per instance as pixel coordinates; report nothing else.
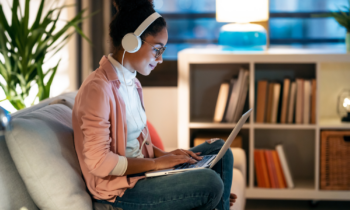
(161, 110)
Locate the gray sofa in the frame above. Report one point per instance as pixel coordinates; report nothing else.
(39, 168)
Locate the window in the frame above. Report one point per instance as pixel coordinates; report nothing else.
(192, 23)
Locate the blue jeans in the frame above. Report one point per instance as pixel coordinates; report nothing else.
(198, 189)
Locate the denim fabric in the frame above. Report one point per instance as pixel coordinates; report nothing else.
(203, 189)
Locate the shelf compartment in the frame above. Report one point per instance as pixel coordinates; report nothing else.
(333, 78)
(277, 73)
(205, 81)
(299, 147)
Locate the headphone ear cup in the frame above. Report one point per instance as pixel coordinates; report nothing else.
(131, 43)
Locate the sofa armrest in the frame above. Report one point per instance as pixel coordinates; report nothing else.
(240, 161)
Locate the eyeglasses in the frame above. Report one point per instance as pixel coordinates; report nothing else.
(159, 51)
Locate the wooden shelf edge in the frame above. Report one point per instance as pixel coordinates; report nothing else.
(284, 126)
(296, 194)
(209, 125)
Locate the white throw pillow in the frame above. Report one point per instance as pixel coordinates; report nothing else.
(41, 145)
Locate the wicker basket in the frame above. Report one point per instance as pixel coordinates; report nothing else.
(335, 160)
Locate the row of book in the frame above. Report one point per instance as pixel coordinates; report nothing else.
(272, 169)
(296, 102)
(231, 98)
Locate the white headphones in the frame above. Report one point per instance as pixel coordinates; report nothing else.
(132, 42)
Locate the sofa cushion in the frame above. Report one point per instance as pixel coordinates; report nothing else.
(69, 98)
(238, 188)
(41, 145)
(13, 193)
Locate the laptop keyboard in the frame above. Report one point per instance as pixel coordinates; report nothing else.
(196, 165)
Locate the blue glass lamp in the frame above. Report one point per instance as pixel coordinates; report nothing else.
(241, 35)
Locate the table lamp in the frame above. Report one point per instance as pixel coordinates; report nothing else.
(241, 35)
(344, 105)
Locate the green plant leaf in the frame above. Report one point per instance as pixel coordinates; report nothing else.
(4, 51)
(49, 82)
(3, 20)
(25, 20)
(38, 15)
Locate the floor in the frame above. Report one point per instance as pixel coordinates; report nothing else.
(298, 205)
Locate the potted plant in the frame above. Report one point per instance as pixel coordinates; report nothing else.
(24, 49)
(343, 18)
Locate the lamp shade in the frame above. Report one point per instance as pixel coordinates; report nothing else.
(242, 11)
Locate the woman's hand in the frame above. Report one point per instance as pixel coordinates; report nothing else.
(171, 160)
(187, 153)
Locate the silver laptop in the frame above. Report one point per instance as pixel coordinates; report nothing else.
(208, 161)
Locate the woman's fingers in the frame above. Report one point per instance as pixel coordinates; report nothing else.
(180, 152)
(171, 160)
(194, 155)
(233, 198)
(186, 159)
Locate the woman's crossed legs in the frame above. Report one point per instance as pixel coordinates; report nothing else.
(197, 189)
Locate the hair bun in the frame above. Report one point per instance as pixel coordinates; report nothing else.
(130, 5)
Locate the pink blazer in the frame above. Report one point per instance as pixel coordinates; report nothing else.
(100, 130)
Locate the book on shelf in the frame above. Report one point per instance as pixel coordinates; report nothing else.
(307, 102)
(291, 102)
(285, 166)
(261, 169)
(261, 101)
(269, 103)
(313, 101)
(221, 102)
(233, 81)
(237, 97)
(233, 98)
(299, 109)
(201, 138)
(242, 96)
(285, 97)
(271, 168)
(280, 176)
(275, 102)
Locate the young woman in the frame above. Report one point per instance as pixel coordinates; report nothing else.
(111, 136)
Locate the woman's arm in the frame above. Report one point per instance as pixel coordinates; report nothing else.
(139, 165)
(158, 152)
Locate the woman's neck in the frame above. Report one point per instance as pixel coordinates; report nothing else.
(118, 56)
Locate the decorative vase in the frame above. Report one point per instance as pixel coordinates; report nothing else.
(347, 40)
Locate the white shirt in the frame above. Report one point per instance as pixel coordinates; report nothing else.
(135, 115)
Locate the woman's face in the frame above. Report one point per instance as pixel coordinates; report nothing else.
(144, 60)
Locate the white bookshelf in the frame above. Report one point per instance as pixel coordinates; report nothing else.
(202, 70)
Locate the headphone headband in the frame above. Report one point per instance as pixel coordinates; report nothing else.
(132, 42)
(144, 25)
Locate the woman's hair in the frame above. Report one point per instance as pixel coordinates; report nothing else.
(130, 14)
